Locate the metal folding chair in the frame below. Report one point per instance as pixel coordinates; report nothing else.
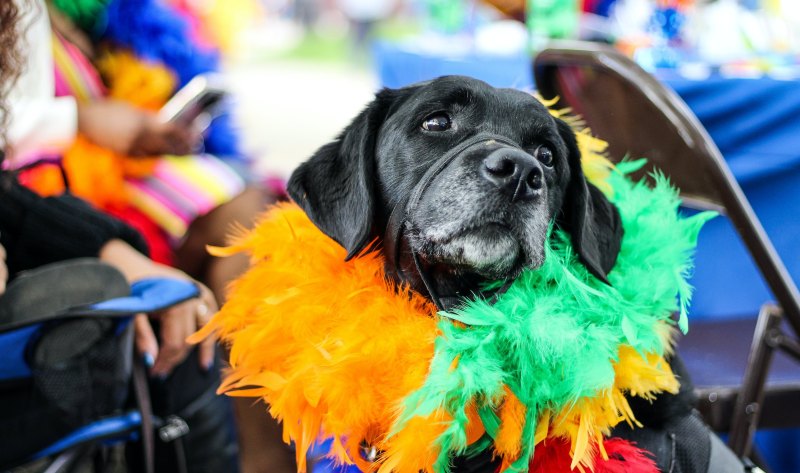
(730, 361)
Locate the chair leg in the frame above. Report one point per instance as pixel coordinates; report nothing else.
(142, 395)
(67, 461)
(751, 396)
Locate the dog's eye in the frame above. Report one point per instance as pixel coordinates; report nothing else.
(437, 122)
(544, 155)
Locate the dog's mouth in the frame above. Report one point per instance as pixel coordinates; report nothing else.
(491, 250)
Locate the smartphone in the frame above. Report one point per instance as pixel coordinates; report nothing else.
(195, 103)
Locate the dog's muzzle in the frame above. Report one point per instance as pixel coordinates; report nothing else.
(402, 263)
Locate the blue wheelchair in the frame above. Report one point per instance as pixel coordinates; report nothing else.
(67, 366)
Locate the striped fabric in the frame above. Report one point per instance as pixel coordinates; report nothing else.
(180, 188)
(74, 74)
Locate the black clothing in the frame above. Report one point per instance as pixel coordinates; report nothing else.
(36, 231)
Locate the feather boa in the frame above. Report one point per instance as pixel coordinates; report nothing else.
(158, 34)
(142, 83)
(336, 350)
(147, 54)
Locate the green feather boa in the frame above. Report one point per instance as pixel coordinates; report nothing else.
(554, 336)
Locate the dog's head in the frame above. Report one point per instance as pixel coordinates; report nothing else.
(478, 173)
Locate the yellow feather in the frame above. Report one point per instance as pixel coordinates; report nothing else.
(580, 444)
(542, 428)
(594, 161)
(585, 423)
(144, 84)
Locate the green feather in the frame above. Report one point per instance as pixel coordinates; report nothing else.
(553, 337)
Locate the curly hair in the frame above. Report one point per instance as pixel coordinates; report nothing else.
(11, 57)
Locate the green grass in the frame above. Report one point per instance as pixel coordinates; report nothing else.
(333, 47)
(320, 47)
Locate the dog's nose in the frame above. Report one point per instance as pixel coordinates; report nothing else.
(514, 172)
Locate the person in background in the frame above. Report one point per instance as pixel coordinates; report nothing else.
(116, 152)
(100, 129)
(35, 231)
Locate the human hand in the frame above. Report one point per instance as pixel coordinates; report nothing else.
(157, 138)
(177, 322)
(3, 270)
(176, 325)
(128, 130)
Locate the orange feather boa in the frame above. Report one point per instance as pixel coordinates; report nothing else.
(335, 350)
(328, 364)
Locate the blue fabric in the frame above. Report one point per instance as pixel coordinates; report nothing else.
(105, 428)
(779, 447)
(150, 295)
(755, 124)
(753, 121)
(327, 465)
(13, 346)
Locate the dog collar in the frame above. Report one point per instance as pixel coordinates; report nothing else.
(404, 265)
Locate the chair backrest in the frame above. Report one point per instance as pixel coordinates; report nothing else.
(66, 356)
(640, 117)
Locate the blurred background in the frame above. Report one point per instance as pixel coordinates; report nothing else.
(300, 69)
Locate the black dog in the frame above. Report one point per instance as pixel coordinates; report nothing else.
(459, 182)
(486, 211)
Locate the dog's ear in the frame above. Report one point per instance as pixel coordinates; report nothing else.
(592, 221)
(336, 186)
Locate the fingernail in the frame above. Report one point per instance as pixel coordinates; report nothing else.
(210, 364)
(148, 359)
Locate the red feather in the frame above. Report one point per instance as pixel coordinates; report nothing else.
(552, 456)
